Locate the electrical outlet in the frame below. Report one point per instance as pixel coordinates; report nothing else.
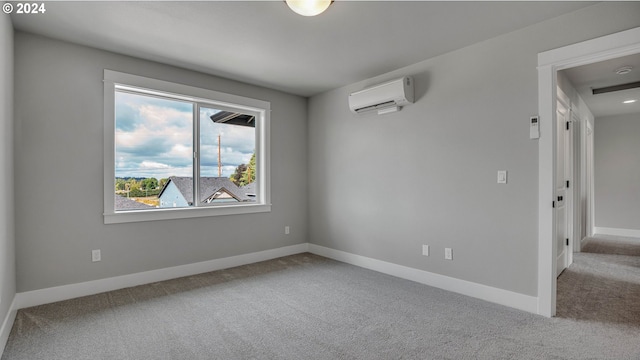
(425, 250)
(448, 254)
(287, 230)
(95, 255)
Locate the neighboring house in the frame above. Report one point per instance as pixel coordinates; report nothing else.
(219, 189)
(249, 192)
(123, 203)
(178, 191)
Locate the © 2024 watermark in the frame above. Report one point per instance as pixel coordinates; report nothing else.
(24, 8)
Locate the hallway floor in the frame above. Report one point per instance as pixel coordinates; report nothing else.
(603, 283)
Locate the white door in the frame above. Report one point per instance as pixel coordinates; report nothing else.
(561, 193)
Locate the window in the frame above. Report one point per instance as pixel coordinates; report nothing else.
(176, 151)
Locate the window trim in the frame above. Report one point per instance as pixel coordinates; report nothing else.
(113, 79)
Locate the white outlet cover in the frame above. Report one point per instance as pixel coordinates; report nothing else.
(502, 176)
(95, 255)
(448, 254)
(425, 250)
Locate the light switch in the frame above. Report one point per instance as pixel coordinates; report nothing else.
(502, 176)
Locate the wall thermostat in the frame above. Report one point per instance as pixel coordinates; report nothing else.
(534, 127)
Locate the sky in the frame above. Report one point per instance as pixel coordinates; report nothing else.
(154, 138)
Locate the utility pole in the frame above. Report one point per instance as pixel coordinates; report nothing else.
(219, 161)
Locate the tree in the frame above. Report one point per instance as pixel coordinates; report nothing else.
(149, 184)
(134, 186)
(120, 184)
(249, 175)
(236, 177)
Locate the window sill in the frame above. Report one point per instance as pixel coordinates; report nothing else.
(182, 213)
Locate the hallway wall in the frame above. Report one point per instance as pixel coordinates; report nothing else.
(617, 172)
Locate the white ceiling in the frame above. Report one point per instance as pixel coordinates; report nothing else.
(602, 74)
(265, 43)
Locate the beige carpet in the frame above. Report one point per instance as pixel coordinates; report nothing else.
(308, 307)
(603, 283)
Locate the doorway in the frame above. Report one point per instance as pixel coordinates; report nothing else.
(549, 63)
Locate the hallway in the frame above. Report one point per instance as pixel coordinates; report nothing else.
(603, 283)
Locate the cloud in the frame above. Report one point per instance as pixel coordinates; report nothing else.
(151, 132)
(154, 139)
(126, 117)
(133, 110)
(153, 165)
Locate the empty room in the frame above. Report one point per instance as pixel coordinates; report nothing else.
(320, 180)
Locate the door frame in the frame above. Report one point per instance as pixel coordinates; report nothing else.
(590, 221)
(549, 63)
(579, 181)
(585, 195)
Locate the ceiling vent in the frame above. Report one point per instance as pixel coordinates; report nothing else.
(624, 70)
(608, 89)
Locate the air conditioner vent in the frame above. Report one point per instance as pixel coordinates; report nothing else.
(383, 98)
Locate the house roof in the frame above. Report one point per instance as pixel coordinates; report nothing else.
(123, 203)
(249, 190)
(209, 186)
(232, 118)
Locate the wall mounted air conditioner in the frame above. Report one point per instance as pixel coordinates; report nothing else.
(383, 98)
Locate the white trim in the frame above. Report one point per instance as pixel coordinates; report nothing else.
(549, 62)
(591, 51)
(547, 253)
(598, 230)
(65, 292)
(479, 291)
(186, 92)
(7, 324)
(591, 194)
(183, 213)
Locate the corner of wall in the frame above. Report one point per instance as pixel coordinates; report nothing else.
(7, 234)
(7, 324)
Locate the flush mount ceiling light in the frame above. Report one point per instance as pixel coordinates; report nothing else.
(629, 101)
(308, 7)
(624, 70)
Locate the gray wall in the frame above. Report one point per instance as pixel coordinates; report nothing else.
(380, 186)
(7, 250)
(374, 186)
(617, 171)
(59, 171)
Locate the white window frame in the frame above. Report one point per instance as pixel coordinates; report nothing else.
(114, 79)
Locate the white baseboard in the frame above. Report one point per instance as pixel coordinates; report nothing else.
(616, 232)
(479, 291)
(65, 292)
(7, 324)
(71, 291)
(583, 242)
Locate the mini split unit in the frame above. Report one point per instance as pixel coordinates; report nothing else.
(384, 98)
